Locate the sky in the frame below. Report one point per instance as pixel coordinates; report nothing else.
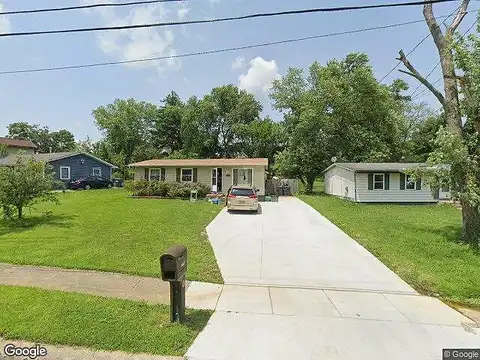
(65, 99)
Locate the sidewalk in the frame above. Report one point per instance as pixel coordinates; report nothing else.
(199, 295)
(55, 352)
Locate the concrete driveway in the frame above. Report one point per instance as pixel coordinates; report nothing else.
(299, 288)
(291, 244)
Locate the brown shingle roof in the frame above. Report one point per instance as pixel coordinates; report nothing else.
(202, 162)
(18, 143)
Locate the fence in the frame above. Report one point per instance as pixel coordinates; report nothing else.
(274, 187)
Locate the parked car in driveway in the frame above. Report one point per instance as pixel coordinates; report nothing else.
(242, 198)
(90, 182)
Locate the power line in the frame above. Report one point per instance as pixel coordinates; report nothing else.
(208, 52)
(231, 18)
(91, 6)
(416, 46)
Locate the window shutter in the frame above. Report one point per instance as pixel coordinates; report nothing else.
(146, 174)
(387, 181)
(194, 175)
(162, 174)
(178, 174)
(419, 184)
(235, 176)
(402, 181)
(370, 181)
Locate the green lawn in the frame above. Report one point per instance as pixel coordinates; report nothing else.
(418, 242)
(54, 317)
(105, 230)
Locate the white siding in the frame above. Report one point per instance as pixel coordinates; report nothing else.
(204, 176)
(394, 194)
(340, 182)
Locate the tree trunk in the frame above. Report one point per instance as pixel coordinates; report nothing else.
(20, 212)
(309, 185)
(471, 224)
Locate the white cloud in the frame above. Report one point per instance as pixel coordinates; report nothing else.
(142, 43)
(238, 63)
(4, 22)
(259, 76)
(182, 13)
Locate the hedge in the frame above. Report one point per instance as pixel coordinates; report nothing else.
(165, 189)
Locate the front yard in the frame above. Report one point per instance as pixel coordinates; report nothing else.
(105, 230)
(54, 317)
(418, 242)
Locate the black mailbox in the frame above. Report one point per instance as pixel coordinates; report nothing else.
(173, 263)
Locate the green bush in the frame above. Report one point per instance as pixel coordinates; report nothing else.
(165, 189)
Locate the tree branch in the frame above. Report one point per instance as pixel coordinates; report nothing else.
(413, 72)
(458, 18)
(433, 26)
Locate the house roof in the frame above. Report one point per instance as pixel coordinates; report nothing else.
(49, 157)
(368, 167)
(202, 162)
(25, 144)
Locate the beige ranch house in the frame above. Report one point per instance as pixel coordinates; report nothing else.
(218, 174)
(379, 182)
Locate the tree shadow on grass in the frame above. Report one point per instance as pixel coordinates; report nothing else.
(31, 222)
(197, 319)
(450, 232)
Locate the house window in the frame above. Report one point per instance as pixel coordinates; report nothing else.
(64, 172)
(97, 171)
(379, 181)
(242, 177)
(187, 175)
(410, 184)
(154, 174)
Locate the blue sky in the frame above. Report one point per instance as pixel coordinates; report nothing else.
(66, 99)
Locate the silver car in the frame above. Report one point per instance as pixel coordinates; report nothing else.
(242, 197)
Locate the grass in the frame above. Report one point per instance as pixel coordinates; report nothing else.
(54, 317)
(105, 230)
(418, 242)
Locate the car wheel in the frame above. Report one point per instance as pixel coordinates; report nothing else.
(87, 187)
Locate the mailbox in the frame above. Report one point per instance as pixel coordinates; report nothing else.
(173, 263)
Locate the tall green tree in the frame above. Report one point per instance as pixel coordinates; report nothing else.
(42, 137)
(167, 132)
(209, 124)
(127, 128)
(338, 110)
(261, 138)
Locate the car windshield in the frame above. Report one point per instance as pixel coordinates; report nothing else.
(242, 192)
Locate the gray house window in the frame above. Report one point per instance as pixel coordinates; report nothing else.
(155, 174)
(64, 172)
(97, 171)
(379, 181)
(187, 175)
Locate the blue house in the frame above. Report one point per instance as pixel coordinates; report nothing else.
(69, 166)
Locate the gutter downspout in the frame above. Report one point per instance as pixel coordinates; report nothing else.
(355, 184)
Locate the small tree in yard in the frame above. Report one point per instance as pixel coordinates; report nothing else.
(24, 184)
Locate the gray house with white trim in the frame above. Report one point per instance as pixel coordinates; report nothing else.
(379, 183)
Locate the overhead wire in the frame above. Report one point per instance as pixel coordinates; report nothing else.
(215, 51)
(225, 19)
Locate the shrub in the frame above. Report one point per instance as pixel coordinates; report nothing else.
(165, 189)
